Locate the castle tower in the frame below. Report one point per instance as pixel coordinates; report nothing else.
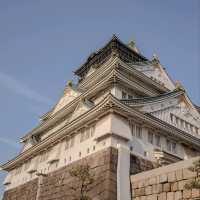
(125, 115)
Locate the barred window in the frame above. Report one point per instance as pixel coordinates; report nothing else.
(124, 95)
(169, 147)
(138, 130)
(158, 141)
(174, 147)
(150, 137)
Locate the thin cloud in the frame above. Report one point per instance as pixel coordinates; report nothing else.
(22, 89)
(10, 143)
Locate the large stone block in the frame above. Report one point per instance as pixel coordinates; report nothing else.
(178, 195)
(174, 186)
(152, 197)
(170, 196)
(179, 174)
(158, 188)
(181, 184)
(171, 177)
(187, 174)
(166, 187)
(163, 178)
(195, 193)
(162, 196)
(152, 181)
(187, 194)
(148, 190)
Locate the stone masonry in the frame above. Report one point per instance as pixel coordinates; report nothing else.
(55, 186)
(164, 183)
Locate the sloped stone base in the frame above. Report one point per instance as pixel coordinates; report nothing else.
(55, 186)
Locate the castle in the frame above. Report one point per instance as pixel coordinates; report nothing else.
(125, 115)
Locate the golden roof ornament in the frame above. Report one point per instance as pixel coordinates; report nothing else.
(179, 86)
(132, 45)
(70, 83)
(155, 59)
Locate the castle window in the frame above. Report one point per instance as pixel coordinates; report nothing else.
(94, 148)
(131, 148)
(79, 154)
(145, 153)
(87, 133)
(182, 123)
(177, 121)
(92, 130)
(132, 129)
(150, 137)
(88, 150)
(82, 138)
(196, 130)
(138, 130)
(27, 165)
(130, 96)
(174, 147)
(124, 95)
(72, 141)
(18, 170)
(44, 156)
(171, 117)
(67, 145)
(169, 147)
(158, 142)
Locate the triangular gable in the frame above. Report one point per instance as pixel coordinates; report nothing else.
(83, 106)
(178, 107)
(157, 73)
(70, 94)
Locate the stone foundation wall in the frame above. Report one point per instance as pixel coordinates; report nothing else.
(165, 183)
(55, 186)
(138, 164)
(23, 192)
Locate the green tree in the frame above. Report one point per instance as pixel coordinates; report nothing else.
(194, 184)
(84, 178)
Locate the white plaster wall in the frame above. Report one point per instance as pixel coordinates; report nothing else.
(120, 127)
(64, 155)
(116, 91)
(111, 123)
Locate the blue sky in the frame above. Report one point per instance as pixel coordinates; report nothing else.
(43, 41)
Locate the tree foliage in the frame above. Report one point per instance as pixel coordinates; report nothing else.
(84, 178)
(195, 183)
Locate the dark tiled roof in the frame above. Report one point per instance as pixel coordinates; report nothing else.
(125, 52)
